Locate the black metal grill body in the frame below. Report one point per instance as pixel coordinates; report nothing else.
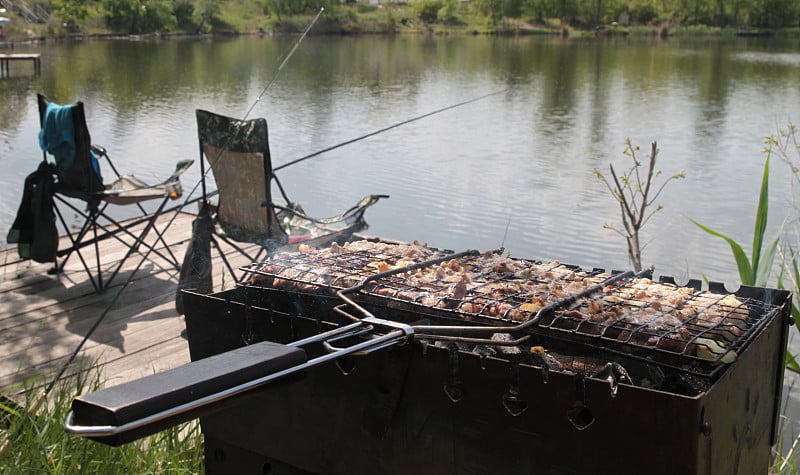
(429, 409)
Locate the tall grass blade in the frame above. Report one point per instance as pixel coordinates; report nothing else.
(767, 259)
(761, 218)
(791, 363)
(9, 410)
(742, 263)
(795, 269)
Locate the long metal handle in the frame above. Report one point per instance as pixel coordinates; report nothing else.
(400, 333)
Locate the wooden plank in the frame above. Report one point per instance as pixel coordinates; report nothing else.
(45, 317)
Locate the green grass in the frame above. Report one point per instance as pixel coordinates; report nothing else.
(33, 441)
(786, 457)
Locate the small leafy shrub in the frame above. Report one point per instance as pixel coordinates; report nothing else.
(428, 10)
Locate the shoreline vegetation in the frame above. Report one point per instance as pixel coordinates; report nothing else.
(163, 19)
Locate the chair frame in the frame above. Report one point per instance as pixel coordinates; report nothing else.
(233, 140)
(251, 136)
(96, 205)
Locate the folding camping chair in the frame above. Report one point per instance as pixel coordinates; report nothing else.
(65, 135)
(237, 152)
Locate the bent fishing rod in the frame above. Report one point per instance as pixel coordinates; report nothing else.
(283, 63)
(274, 77)
(380, 131)
(186, 201)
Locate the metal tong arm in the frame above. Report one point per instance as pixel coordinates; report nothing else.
(367, 331)
(399, 333)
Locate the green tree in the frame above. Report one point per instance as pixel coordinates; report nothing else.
(496, 10)
(209, 9)
(70, 13)
(427, 10)
(447, 13)
(282, 8)
(139, 16)
(183, 11)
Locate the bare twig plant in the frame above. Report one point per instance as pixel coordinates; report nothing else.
(635, 192)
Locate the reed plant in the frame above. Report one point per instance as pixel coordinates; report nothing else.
(756, 269)
(33, 440)
(784, 144)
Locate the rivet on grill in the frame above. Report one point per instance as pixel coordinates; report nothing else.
(453, 386)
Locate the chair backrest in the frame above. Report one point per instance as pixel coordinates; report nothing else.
(66, 136)
(238, 153)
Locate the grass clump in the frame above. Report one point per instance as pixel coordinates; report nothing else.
(33, 440)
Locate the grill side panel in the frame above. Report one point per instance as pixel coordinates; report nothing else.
(741, 412)
(392, 414)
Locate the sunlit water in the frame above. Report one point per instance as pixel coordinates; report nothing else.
(513, 169)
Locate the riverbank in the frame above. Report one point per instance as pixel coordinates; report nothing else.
(249, 18)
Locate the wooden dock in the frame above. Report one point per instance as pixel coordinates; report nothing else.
(44, 318)
(7, 58)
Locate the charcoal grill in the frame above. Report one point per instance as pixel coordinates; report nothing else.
(521, 367)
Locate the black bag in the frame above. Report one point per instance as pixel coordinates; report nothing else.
(34, 229)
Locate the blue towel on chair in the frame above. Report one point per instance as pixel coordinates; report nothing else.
(57, 136)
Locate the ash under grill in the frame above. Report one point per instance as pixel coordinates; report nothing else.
(556, 312)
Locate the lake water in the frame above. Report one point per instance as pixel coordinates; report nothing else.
(520, 159)
(514, 168)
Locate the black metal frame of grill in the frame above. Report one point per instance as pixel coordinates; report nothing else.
(344, 275)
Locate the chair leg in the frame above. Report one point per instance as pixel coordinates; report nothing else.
(160, 235)
(124, 228)
(225, 261)
(95, 229)
(240, 250)
(75, 240)
(99, 287)
(140, 241)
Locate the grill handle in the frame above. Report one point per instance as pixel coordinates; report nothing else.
(132, 410)
(141, 407)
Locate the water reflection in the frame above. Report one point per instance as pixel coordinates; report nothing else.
(523, 157)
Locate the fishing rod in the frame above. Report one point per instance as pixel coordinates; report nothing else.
(348, 142)
(283, 63)
(213, 160)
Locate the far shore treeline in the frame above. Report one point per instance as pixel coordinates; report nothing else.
(42, 18)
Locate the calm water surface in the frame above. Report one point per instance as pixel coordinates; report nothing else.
(520, 159)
